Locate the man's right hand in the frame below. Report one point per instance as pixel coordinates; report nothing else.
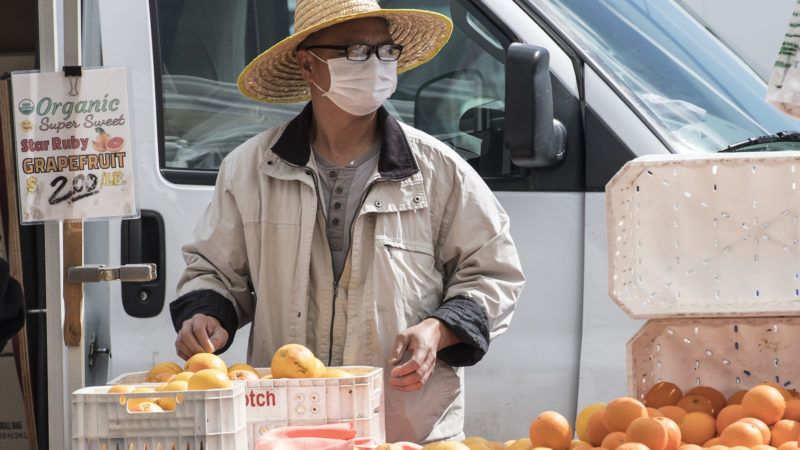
(200, 334)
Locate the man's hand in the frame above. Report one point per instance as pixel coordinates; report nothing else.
(200, 334)
(423, 341)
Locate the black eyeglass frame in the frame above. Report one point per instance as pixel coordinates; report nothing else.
(371, 49)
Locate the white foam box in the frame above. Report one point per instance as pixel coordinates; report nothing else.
(209, 420)
(707, 247)
(274, 403)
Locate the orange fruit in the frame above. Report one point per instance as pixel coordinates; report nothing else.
(784, 431)
(242, 375)
(766, 434)
(648, 431)
(209, 379)
(791, 445)
(792, 409)
(652, 412)
(675, 413)
(632, 446)
(717, 399)
(550, 429)
(622, 412)
(690, 447)
(696, 403)
(764, 403)
(784, 392)
(712, 442)
(163, 372)
(763, 447)
(697, 428)
(596, 429)
(202, 361)
(296, 361)
(728, 415)
(741, 433)
(673, 432)
(613, 440)
(663, 394)
(736, 397)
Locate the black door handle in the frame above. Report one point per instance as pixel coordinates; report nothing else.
(143, 242)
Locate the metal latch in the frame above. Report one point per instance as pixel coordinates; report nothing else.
(94, 351)
(136, 273)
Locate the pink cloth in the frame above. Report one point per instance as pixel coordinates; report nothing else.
(321, 437)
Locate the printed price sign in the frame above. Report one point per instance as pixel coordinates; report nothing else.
(73, 145)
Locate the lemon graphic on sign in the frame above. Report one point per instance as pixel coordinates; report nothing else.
(26, 125)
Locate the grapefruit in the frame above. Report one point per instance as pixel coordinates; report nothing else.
(115, 144)
(336, 373)
(120, 389)
(784, 431)
(596, 429)
(675, 413)
(209, 379)
(792, 409)
(582, 421)
(736, 397)
(163, 372)
(449, 445)
(697, 403)
(145, 407)
(766, 433)
(673, 432)
(613, 440)
(296, 361)
(242, 375)
(202, 361)
(728, 415)
(718, 401)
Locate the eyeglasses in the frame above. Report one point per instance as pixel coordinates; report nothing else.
(362, 52)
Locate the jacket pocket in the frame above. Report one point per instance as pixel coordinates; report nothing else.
(407, 269)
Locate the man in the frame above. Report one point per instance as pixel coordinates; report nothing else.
(368, 241)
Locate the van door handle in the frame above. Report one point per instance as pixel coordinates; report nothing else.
(97, 273)
(142, 242)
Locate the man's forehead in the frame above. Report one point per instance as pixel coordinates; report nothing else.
(367, 29)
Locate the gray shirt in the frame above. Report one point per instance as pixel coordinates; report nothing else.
(342, 188)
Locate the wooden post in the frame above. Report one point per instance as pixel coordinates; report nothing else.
(15, 251)
(73, 292)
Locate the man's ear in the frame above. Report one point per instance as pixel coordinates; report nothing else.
(304, 63)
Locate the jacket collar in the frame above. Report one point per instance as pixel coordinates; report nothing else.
(395, 161)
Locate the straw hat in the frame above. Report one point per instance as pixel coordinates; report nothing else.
(275, 77)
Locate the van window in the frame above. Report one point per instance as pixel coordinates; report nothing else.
(698, 95)
(202, 46)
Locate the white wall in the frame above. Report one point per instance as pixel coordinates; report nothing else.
(752, 28)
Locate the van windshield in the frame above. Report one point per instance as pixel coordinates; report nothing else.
(698, 95)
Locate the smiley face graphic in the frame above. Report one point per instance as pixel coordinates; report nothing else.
(26, 125)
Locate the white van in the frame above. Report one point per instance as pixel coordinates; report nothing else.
(628, 78)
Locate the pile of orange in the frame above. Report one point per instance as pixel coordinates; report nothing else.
(766, 417)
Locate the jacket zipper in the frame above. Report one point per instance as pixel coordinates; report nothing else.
(347, 255)
(392, 248)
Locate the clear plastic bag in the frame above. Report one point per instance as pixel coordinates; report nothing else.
(784, 84)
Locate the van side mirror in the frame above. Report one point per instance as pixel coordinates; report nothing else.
(532, 135)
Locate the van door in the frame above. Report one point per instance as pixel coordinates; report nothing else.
(184, 58)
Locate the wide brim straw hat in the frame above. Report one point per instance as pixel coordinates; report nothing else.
(274, 76)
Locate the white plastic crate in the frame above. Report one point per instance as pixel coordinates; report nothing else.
(208, 420)
(706, 235)
(309, 401)
(708, 248)
(729, 354)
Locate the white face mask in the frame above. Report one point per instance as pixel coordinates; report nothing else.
(360, 87)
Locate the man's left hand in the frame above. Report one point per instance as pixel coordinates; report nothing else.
(423, 341)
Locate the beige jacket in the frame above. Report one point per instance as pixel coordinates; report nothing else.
(429, 230)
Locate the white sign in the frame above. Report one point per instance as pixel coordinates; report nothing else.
(74, 152)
